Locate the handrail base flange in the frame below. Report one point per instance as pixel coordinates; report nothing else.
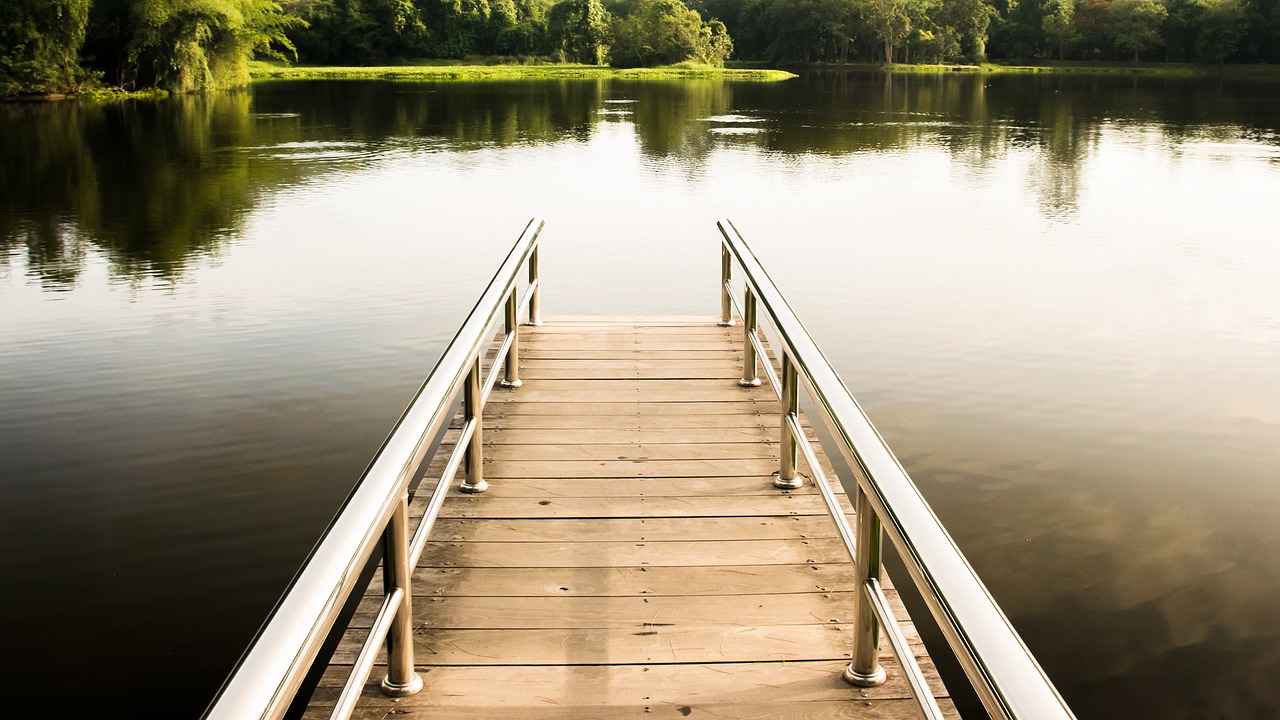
(853, 677)
(792, 484)
(413, 687)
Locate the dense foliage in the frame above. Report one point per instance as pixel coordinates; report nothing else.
(1207, 31)
(40, 44)
(663, 32)
(181, 45)
(191, 45)
(629, 33)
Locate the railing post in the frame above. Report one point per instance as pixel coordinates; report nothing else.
(787, 477)
(401, 679)
(865, 670)
(726, 274)
(473, 411)
(750, 378)
(535, 300)
(511, 365)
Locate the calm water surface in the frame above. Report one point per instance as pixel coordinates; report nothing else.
(1059, 300)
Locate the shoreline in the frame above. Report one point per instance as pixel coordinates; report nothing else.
(260, 71)
(1186, 70)
(737, 71)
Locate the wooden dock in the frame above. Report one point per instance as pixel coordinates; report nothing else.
(632, 557)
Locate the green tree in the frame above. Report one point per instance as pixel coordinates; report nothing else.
(1222, 25)
(358, 32)
(578, 31)
(184, 45)
(40, 45)
(971, 20)
(1134, 25)
(1093, 23)
(662, 32)
(891, 22)
(457, 27)
(1060, 24)
(804, 29)
(528, 35)
(719, 46)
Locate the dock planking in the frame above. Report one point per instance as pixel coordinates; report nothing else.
(632, 556)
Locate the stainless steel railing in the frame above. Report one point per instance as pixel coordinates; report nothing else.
(376, 514)
(1006, 677)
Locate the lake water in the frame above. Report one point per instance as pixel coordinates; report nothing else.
(1057, 298)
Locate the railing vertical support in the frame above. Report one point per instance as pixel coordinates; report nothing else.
(726, 274)
(787, 477)
(473, 412)
(511, 366)
(535, 281)
(750, 377)
(865, 670)
(401, 679)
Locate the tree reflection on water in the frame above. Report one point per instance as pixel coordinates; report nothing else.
(152, 185)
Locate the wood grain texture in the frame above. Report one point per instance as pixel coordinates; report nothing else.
(632, 557)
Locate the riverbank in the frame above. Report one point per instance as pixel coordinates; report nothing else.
(1090, 68)
(259, 70)
(92, 95)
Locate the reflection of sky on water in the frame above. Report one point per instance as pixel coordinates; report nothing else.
(1066, 327)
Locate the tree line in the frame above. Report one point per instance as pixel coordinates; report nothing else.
(1201, 31)
(629, 33)
(189, 45)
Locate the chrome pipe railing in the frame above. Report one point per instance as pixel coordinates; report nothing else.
(271, 672)
(1004, 674)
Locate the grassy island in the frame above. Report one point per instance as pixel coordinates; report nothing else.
(445, 71)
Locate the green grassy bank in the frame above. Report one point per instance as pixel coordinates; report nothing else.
(683, 71)
(1087, 68)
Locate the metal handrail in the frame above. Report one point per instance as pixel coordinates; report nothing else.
(268, 676)
(1003, 672)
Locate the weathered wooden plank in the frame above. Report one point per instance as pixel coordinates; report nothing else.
(701, 362)
(549, 353)
(613, 582)
(646, 320)
(497, 421)
(763, 416)
(725, 371)
(825, 710)
(552, 488)
(693, 337)
(560, 500)
(628, 554)
(629, 468)
(637, 581)
(640, 391)
(520, 434)
(575, 452)
(512, 404)
(764, 710)
(634, 529)
(598, 646)
(577, 387)
(636, 613)
(634, 507)
(672, 330)
(593, 688)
